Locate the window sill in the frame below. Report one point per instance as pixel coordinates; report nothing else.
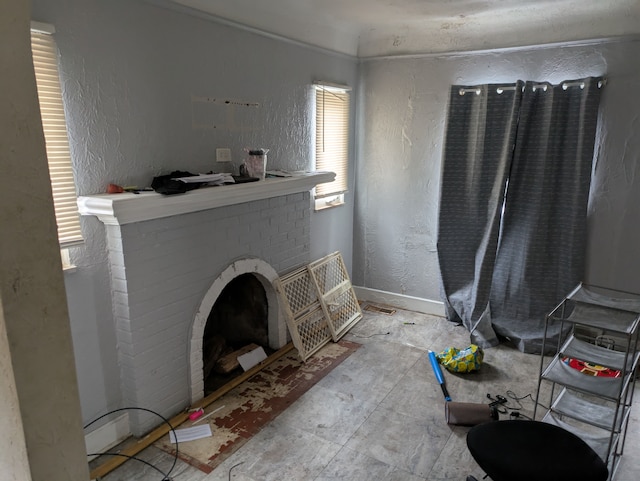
(69, 269)
(328, 202)
(67, 266)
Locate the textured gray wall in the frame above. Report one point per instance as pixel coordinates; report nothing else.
(129, 71)
(130, 68)
(41, 426)
(402, 118)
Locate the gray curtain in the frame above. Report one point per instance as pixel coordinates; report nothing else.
(478, 151)
(524, 267)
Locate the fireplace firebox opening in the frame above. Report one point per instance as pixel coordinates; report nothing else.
(238, 321)
(242, 308)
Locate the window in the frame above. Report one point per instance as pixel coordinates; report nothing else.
(45, 64)
(332, 142)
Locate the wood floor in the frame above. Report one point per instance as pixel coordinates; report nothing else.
(379, 415)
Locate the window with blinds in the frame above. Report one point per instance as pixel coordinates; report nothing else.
(332, 142)
(45, 63)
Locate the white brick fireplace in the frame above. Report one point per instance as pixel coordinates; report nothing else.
(171, 256)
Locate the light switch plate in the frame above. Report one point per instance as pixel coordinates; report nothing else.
(223, 155)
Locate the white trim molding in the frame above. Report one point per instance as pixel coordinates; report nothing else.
(127, 208)
(108, 435)
(410, 303)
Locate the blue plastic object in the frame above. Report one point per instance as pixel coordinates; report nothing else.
(438, 373)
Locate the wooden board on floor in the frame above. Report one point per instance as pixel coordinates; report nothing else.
(177, 420)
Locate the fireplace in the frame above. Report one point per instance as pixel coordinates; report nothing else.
(236, 324)
(276, 335)
(171, 258)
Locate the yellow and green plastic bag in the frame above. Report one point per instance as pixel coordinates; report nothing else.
(465, 360)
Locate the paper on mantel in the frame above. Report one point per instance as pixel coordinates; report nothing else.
(190, 434)
(210, 178)
(250, 359)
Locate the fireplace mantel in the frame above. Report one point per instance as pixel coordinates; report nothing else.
(127, 208)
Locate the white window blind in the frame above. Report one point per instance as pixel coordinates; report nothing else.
(45, 63)
(332, 136)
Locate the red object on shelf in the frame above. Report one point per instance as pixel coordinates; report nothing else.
(590, 369)
(114, 189)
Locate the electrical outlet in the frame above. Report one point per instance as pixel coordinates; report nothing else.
(223, 155)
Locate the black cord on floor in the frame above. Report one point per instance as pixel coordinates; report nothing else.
(514, 411)
(516, 398)
(518, 415)
(166, 477)
(231, 468)
(367, 337)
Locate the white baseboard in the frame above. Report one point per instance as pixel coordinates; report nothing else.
(108, 435)
(410, 303)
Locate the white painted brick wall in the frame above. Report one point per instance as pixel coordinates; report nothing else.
(162, 268)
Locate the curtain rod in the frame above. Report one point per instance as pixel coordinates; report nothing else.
(543, 85)
(478, 90)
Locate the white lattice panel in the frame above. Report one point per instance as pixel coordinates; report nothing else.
(303, 312)
(338, 299)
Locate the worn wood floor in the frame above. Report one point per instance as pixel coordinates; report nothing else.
(379, 415)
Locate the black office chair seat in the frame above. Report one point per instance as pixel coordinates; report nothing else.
(518, 450)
